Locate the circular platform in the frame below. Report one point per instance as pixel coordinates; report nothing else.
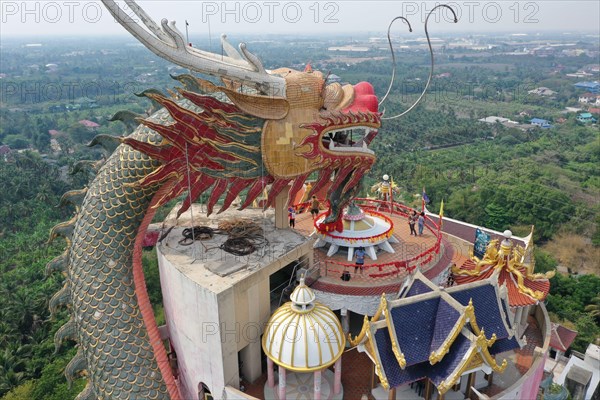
(367, 229)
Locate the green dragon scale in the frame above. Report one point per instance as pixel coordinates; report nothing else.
(110, 330)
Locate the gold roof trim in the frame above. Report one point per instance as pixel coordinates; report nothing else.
(390, 326)
(468, 315)
(366, 323)
(376, 357)
(477, 355)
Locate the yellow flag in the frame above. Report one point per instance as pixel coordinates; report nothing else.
(441, 212)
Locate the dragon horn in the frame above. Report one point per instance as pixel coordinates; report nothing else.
(168, 43)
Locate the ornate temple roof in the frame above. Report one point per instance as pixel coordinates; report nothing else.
(450, 332)
(303, 335)
(514, 267)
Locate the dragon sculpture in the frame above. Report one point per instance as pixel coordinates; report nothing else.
(262, 128)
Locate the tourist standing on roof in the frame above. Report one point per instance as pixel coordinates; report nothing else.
(412, 220)
(314, 207)
(292, 217)
(421, 222)
(360, 259)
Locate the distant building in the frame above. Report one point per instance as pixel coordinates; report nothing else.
(586, 118)
(594, 110)
(542, 91)
(561, 338)
(589, 98)
(349, 48)
(89, 124)
(542, 123)
(591, 365)
(492, 119)
(333, 78)
(593, 87)
(572, 109)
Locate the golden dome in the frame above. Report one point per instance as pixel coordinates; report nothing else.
(303, 335)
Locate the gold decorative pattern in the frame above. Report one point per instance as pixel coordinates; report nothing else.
(366, 323)
(512, 260)
(437, 355)
(392, 332)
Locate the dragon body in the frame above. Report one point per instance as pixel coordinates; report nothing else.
(195, 144)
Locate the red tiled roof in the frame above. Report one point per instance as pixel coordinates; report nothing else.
(516, 297)
(562, 337)
(89, 124)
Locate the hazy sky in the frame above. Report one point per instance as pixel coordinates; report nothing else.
(42, 18)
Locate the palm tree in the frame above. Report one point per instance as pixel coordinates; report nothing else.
(10, 379)
(594, 308)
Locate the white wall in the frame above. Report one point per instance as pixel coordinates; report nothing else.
(192, 315)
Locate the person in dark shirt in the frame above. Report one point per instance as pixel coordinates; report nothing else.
(292, 217)
(360, 259)
(412, 220)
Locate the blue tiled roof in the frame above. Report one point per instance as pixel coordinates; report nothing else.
(503, 303)
(487, 312)
(417, 287)
(440, 371)
(414, 325)
(388, 360)
(422, 325)
(395, 375)
(437, 373)
(539, 121)
(503, 345)
(444, 322)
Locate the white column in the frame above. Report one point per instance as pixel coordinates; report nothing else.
(317, 385)
(281, 383)
(337, 380)
(270, 375)
(345, 320)
(517, 321)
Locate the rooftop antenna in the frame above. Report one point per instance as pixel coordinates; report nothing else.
(187, 36)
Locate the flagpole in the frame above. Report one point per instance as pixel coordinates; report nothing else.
(391, 195)
(441, 214)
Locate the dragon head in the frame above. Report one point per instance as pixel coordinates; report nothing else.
(292, 126)
(325, 132)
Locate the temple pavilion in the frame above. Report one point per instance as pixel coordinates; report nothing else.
(437, 336)
(303, 338)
